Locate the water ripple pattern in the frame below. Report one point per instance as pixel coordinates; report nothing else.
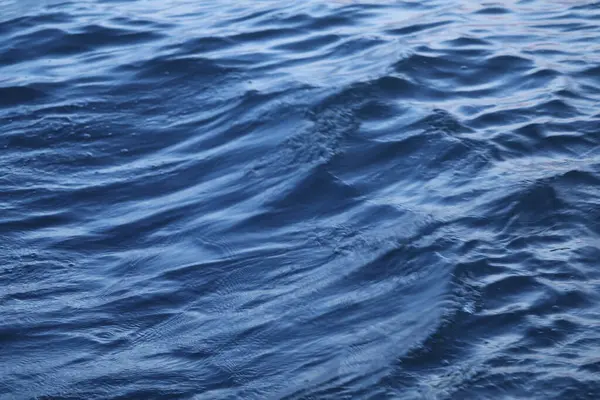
(321, 199)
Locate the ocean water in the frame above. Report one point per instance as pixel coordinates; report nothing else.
(317, 199)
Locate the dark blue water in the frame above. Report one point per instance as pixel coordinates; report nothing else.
(318, 199)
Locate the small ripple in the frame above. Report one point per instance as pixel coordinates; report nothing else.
(417, 28)
(59, 42)
(311, 200)
(493, 10)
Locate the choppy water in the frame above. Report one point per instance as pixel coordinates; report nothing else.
(299, 200)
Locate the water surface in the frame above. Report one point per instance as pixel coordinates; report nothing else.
(299, 200)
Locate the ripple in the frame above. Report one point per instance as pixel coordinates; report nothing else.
(341, 199)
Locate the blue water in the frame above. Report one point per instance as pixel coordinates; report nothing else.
(320, 199)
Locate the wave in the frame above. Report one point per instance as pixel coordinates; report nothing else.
(317, 200)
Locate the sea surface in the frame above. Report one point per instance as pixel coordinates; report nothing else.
(317, 199)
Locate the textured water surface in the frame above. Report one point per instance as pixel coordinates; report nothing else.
(299, 200)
